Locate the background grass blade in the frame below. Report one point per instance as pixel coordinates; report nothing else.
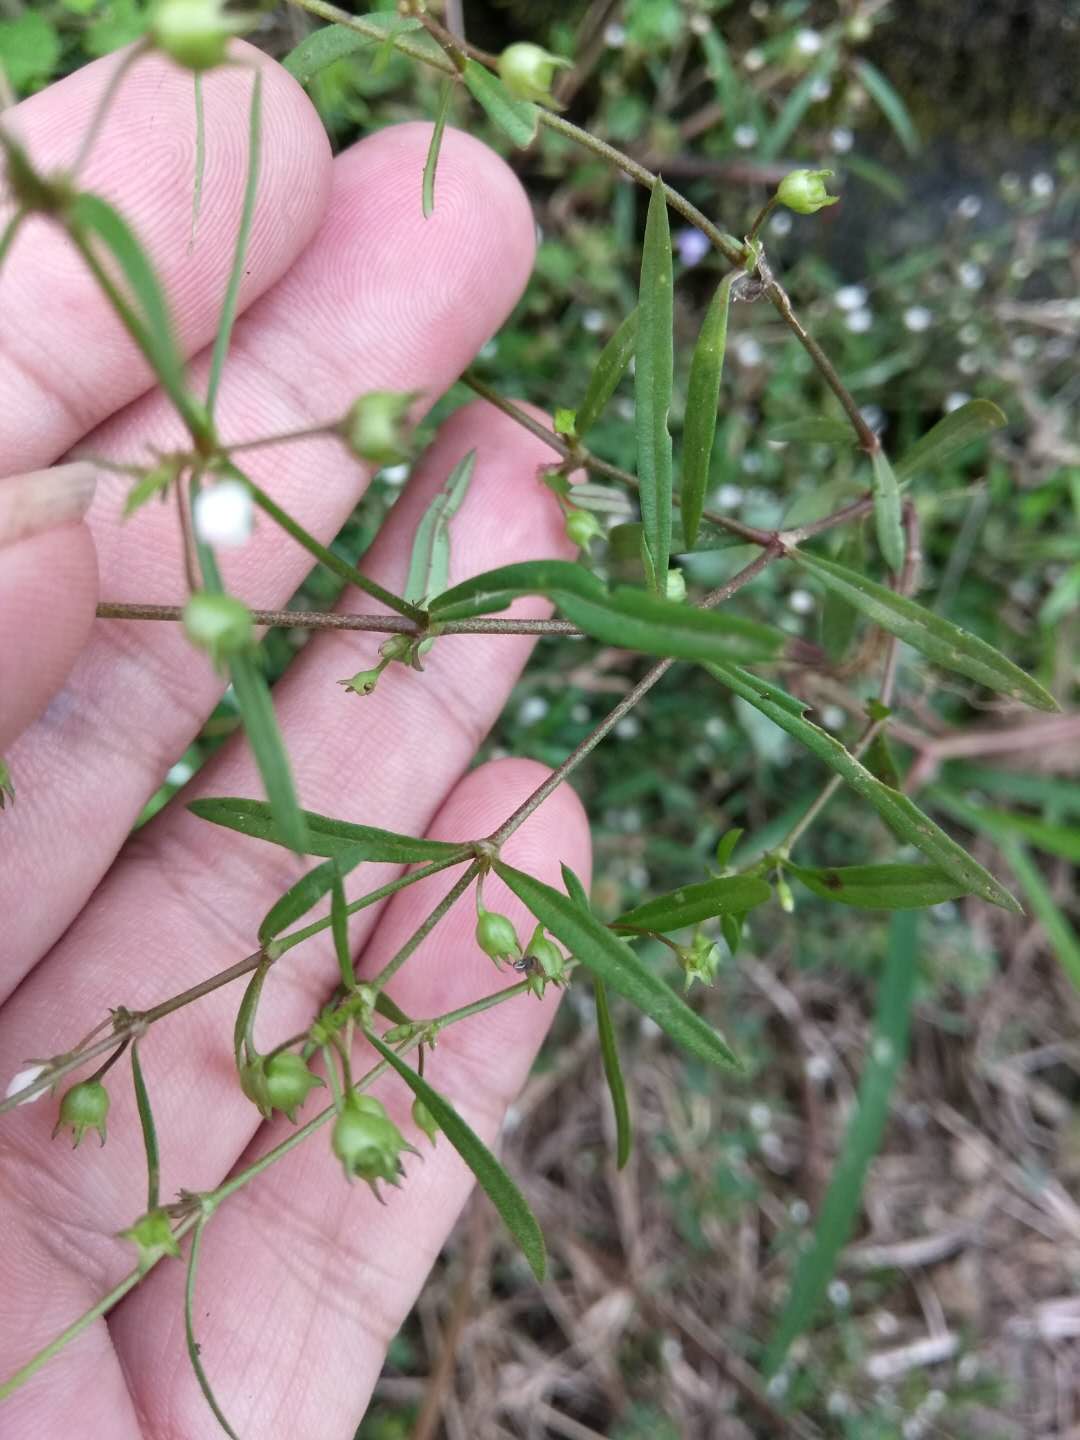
(889, 103)
(653, 379)
(955, 431)
(243, 234)
(841, 1205)
(609, 1053)
(492, 1178)
(887, 517)
(608, 371)
(1063, 938)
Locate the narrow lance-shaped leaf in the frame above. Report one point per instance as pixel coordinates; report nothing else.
(149, 1129)
(653, 378)
(702, 398)
(889, 103)
(432, 161)
(613, 961)
(610, 368)
(339, 929)
(609, 1053)
(243, 235)
(841, 1205)
(838, 618)
(305, 894)
(518, 119)
(264, 736)
(1063, 938)
(325, 836)
(429, 564)
(493, 1179)
(332, 43)
(880, 887)
(690, 904)
(903, 816)
(959, 428)
(936, 638)
(1063, 840)
(887, 517)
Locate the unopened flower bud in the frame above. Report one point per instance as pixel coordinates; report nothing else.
(676, 585)
(368, 1143)
(700, 960)
(496, 936)
(582, 527)
(804, 191)
(218, 624)
(84, 1107)
(375, 426)
(424, 1120)
(527, 71)
(21, 1079)
(364, 681)
(194, 33)
(153, 1238)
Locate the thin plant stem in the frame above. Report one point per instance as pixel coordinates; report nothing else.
(334, 620)
(422, 931)
(189, 1327)
(104, 105)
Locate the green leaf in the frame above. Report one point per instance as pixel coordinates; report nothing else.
(306, 893)
(29, 50)
(815, 430)
(690, 904)
(609, 1053)
(625, 617)
(889, 103)
(332, 838)
(653, 379)
(702, 399)
(236, 275)
(339, 929)
(880, 887)
(574, 888)
(493, 1179)
(335, 42)
(611, 960)
(149, 1129)
(936, 638)
(148, 321)
(1063, 840)
(432, 161)
(518, 119)
(193, 1347)
(1063, 938)
(610, 368)
(840, 1208)
(956, 430)
(429, 564)
(796, 106)
(903, 817)
(268, 747)
(880, 761)
(887, 517)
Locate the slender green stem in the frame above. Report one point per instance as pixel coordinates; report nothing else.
(335, 620)
(200, 160)
(762, 215)
(420, 934)
(149, 1131)
(7, 235)
(332, 562)
(285, 437)
(189, 1327)
(104, 105)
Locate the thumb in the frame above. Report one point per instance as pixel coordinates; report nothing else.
(48, 587)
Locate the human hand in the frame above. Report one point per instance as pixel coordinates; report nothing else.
(304, 1279)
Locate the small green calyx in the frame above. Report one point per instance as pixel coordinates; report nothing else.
(804, 191)
(282, 1082)
(375, 427)
(545, 963)
(194, 33)
(364, 681)
(152, 1236)
(84, 1107)
(700, 960)
(424, 1120)
(219, 624)
(368, 1143)
(582, 527)
(496, 936)
(528, 70)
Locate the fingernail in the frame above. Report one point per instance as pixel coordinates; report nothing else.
(44, 499)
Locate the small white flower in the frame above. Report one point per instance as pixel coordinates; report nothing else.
(801, 601)
(799, 1211)
(839, 1294)
(748, 351)
(968, 364)
(818, 1068)
(833, 717)
(969, 207)
(1025, 347)
(838, 1403)
(180, 773)
(751, 463)
(859, 321)
(629, 728)
(692, 245)
(488, 351)
(745, 136)
(841, 139)
(808, 42)
(882, 1051)
(1042, 185)
(851, 297)
(615, 36)
(777, 1386)
(396, 474)
(780, 224)
(874, 417)
(917, 318)
(754, 60)
(728, 497)
(21, 1079)
(533, 708)
(225, 514)
(760, 1116)
(971, 275)
(955, 400)
(593, 321)
(821, 89)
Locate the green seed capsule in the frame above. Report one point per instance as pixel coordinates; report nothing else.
(527, 71)
(804, 191)
(84, 1107)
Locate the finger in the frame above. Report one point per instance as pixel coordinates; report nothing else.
(382, 299)
(48, 588)
(185, 901)
(66, 362)
(304, 1279)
